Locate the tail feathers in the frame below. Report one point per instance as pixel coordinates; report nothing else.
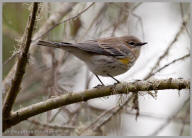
(53, 44)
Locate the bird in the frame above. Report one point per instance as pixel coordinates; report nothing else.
(110, 56)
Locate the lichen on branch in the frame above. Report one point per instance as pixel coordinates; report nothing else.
(70, 98)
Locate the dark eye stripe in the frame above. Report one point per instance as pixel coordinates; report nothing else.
(132, 43)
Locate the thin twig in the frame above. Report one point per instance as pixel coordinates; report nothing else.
(172, 62)
(21, 65)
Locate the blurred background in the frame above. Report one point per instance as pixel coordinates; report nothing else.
(52, 72)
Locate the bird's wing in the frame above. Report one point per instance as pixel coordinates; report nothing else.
(103, 48)
(110, 48)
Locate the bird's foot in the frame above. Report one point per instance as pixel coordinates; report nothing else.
(99, 86)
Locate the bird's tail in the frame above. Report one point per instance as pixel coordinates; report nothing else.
(53, 44)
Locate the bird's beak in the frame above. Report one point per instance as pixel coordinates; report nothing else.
(141, 44)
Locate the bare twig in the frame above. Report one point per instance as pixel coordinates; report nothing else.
(69, 98)
(21, 65)
(172, 62)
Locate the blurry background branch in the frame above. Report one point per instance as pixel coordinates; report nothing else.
(102, 120)
(172, 62)
(148, 115)
(66, 20)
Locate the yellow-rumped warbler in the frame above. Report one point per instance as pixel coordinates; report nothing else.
(106, 56)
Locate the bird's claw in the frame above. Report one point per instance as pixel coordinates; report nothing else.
(99, 86)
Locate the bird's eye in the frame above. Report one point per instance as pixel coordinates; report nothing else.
(132, 43)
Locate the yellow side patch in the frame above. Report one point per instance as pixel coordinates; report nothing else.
(124, 60)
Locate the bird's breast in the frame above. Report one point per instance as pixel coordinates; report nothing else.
(103, 65)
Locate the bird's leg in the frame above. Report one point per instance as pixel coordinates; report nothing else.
(102, 84)
(113, 78)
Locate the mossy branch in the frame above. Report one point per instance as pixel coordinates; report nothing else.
(70, 98)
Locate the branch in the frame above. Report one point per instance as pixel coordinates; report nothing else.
(70, 98)
(21, 65)
(170, 63)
